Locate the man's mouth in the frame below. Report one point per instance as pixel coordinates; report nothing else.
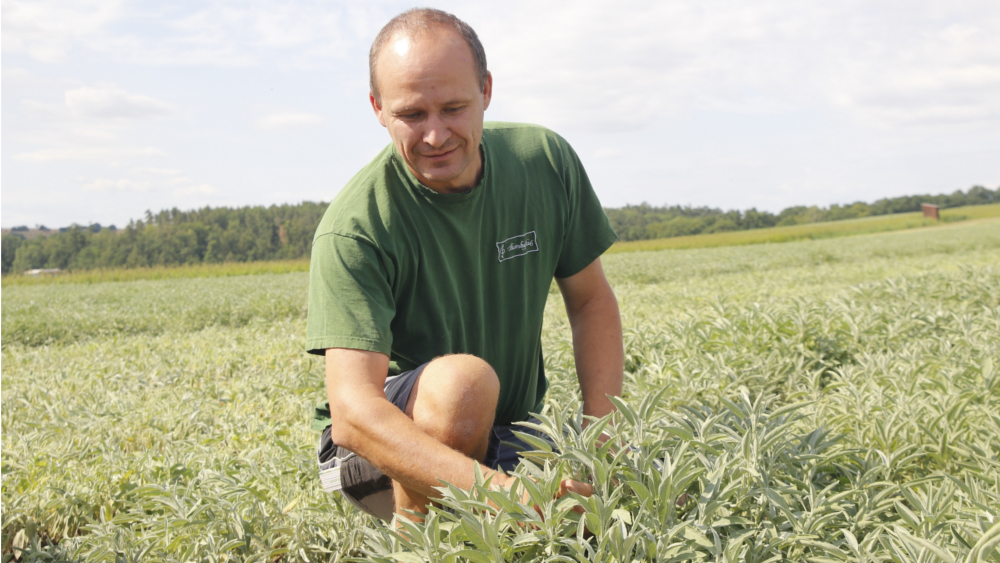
(440, 155)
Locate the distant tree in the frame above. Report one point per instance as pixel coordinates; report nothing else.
(676, 227)
(20, 228)
(978, 195)
(10, 244)
(722, 224)
(29, 256)
(753, 219)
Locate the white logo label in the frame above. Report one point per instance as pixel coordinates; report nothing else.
(517, 246)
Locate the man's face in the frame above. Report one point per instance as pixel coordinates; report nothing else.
(433, 107)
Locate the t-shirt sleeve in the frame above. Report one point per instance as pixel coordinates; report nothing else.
(350, 296)
(589, 232)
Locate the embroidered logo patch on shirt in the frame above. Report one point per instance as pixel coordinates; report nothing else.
(517, 246)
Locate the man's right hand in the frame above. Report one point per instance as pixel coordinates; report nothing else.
(566, 486)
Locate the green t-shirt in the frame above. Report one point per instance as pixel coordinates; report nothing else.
(400, 269)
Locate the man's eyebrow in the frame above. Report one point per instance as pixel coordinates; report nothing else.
(401, 111)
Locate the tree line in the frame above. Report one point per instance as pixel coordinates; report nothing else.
(643, 222)
(172, 237)
(244, 234)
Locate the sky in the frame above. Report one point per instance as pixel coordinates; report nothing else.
(111, 108)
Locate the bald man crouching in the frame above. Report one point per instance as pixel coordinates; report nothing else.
(429, 276)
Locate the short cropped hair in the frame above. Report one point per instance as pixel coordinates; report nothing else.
(423, 19)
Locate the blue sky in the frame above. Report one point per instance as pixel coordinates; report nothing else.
(111, 107)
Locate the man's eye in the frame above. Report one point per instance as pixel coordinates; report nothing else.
(454, 109)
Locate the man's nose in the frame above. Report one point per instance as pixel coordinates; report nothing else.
(437, 133)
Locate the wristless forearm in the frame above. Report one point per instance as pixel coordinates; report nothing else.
(599, 354)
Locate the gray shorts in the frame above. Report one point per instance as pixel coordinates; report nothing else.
(369, 489)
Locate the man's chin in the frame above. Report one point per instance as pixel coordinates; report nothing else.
(442, 176)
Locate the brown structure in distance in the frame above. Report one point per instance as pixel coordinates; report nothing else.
(930, 211)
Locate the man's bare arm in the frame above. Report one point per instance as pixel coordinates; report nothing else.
(365, 422)
(597, 337)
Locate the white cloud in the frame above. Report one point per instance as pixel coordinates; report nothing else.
(585, 63)
(281, 25)
(113, 103)
(150, 179)
(289, 119)
(47, 30)
(608, 152)
(93, 126)
(618, 67)
(158, 172)
(195, 189)
(88, 154)
(121, 185)
(224, 33)
(21, 78)
(176, 181)
(946, 75)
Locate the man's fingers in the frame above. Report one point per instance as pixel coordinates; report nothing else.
(566, 486)
(571, 486)
(580, 488)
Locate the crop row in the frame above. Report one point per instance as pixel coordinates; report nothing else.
(811, 401)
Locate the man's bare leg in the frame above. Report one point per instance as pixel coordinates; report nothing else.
(454, 401)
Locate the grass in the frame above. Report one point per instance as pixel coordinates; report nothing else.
(820, 400)
(813, 231)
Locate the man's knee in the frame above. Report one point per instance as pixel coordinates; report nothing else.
(455, 400)
(466, 377)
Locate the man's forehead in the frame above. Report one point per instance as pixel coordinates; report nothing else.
(410, 60)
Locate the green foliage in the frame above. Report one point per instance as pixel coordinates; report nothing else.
(645, 222)
(10, 243)
(174, 237)
(828, 400)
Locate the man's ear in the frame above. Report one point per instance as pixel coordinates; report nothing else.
(487, 90)
(377, 108)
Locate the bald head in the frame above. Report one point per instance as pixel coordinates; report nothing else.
(410, 25)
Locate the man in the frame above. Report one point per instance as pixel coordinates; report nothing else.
(429, 276)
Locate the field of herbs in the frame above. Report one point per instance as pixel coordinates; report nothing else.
(829, 400)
